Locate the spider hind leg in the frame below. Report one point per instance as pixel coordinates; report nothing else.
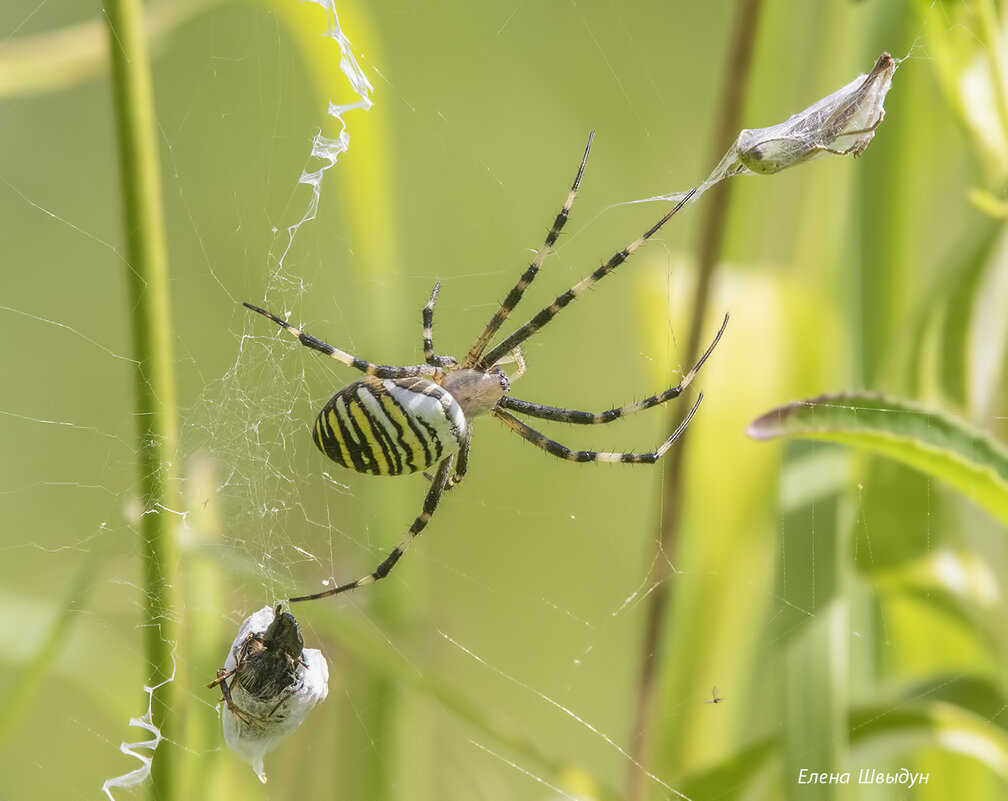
(555, 448)
(430, 504)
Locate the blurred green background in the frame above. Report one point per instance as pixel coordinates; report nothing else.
(849, 610)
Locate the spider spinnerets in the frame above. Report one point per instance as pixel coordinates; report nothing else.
(400, 420)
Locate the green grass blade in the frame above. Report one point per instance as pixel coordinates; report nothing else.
(153, 338)
(935, 443)
(814, 687)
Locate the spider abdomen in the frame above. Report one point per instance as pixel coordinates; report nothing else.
(390, 426)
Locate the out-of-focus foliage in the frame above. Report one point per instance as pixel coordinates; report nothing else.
(850, 610)
(935, 444)
(965, 41)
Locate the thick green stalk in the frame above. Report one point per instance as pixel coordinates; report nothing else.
(712, 234)
(147, 275)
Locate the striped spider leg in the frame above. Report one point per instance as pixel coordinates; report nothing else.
(540, 320)
(427, 317)
(554, 448)
(438, 483)
(518, 290)
(402, 420)
(560, 415)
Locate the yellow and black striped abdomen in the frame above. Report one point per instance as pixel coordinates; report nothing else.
(390, 426)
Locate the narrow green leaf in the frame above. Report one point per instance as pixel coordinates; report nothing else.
(946, 725)
(935, 443)
(61, 59)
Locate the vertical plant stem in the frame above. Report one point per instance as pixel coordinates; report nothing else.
(147, 276)
(712, 234)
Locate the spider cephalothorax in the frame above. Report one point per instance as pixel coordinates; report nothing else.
(400, 420)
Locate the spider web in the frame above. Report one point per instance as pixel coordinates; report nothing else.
(525, 598)
(292, 519)
(254, 414)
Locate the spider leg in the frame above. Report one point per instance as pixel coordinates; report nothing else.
(554, 448)
(509, 343)
(428, 334)
(379, 370)
(429, 505)
(561, 415)
(515, 295)
(462, 463)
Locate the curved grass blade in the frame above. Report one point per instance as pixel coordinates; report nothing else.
(878, 728)
(935, 443)
(956, 713)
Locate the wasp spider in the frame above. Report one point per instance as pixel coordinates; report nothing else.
(399, 420)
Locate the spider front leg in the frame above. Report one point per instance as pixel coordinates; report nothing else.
(515, 295)
(428, 334)
(559, 415)
(434, 494)
(538, 321)
(379, 370)
(554, 448)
